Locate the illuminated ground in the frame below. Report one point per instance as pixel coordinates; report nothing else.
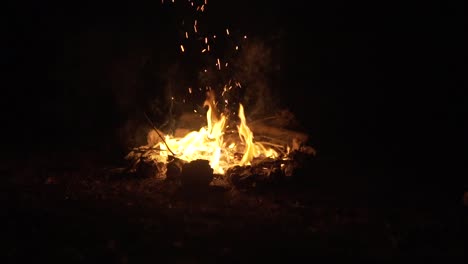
(69, 211)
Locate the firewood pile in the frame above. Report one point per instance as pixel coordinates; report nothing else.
(145, 161)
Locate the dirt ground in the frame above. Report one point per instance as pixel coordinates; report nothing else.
(69, 209)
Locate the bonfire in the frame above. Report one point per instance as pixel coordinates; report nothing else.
(221, 150)
(225, 145)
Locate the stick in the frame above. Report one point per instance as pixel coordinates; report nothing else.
(157, 132)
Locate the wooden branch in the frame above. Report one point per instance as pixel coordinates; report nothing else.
(280, 133)
(162, 138)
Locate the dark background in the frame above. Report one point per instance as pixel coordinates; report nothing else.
(374, 85)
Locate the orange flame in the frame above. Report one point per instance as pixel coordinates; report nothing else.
(209, 143)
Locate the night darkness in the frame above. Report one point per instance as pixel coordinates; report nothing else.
(378, 88)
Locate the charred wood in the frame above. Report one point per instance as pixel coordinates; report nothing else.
(197, 173)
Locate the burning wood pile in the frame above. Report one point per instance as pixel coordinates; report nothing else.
(196, 158)
(224, 148)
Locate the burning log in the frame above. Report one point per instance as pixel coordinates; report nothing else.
(281, 136)
(240, 176)
(148, 168)
(141, 154)
(197, 173)
(191, 157)
(261, 173)
(174, 168)
(271, 172)
(280, 129)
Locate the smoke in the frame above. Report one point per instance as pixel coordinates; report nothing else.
(251, 77)
(255, 69)
(247, 75)
(176, 81)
